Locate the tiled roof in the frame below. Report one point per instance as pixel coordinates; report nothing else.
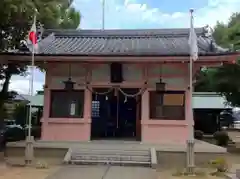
(127, 42)
(36, 100)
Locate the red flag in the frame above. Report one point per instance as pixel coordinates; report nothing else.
(32, 35)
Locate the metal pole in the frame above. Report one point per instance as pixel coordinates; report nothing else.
(103, 14)
(31, 94)
(190, 141)
(29, 139)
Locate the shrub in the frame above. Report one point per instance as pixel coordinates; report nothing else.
(198, 134)
(14, 134)
(221, 138)
(220, 164)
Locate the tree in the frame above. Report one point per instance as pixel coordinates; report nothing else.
(16, 17)
(224, 79)
(20, 114)
(228, 35)
(40, 92)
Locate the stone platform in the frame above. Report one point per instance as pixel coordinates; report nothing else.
(168, 154)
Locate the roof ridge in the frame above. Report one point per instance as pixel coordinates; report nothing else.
(123, 32)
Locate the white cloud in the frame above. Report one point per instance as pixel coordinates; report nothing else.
(21, 84)
(215, 10)
(131, 14)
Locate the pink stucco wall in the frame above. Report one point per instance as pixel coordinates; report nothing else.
(152, 131)
(163, 131)
(72, 130)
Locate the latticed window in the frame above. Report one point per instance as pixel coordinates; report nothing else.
(167, 105)
(95, 108)
(67, 104)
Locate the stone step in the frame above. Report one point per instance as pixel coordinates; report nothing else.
(116, 156)
(111, 151)
(125, 163)
(111, 157)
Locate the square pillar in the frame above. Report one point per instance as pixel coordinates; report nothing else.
(87, 105)
(145, 112)
(87, 115)
(145, 106)
(46, 106)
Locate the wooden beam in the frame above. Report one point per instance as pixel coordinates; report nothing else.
(107, 59)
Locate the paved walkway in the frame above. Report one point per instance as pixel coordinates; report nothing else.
(103, 172)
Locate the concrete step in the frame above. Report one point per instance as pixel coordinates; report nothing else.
(111, 157)
(108, 156)
(104, 162)
(109, 151)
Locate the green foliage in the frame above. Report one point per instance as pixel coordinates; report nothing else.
(220, 164)
(3, 112)
(221, 138)
(16, 18)
(205, 81)
(227, 35)
(225, 79)
(20, 114)
(40, 92)
(15, 134)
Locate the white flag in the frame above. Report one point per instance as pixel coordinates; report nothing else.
(45, 42)
(192, 41)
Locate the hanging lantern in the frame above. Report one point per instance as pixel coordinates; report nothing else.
(160, 86)
(69, 84)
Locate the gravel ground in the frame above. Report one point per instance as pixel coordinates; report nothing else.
(7, 172)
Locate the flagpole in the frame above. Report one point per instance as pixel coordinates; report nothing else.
(31, 92)
(190, 141)
(29, 138)
(103, 14)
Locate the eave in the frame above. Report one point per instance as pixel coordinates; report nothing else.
(208, 58)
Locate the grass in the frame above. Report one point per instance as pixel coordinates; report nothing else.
(233, 161)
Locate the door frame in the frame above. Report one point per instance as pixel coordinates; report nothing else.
(138, 127)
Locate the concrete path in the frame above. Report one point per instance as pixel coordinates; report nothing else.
(104, 172)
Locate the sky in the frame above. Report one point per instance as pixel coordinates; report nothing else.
(141, 14)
